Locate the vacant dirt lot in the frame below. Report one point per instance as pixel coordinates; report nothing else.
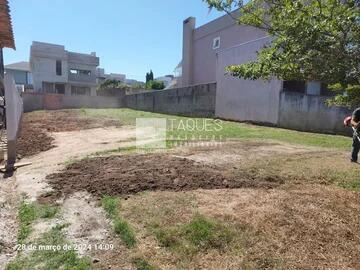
(282, 201)
(287, 206)
(129, 174)
(38, 126)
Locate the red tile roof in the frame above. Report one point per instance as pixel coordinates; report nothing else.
(6, 31)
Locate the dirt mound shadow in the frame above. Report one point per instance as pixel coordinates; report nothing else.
(128, 174)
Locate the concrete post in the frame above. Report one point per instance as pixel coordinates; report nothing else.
(93, 91)
(313, 88)
(1, 64)
(67, 89)
(187, 54)
(2, 111)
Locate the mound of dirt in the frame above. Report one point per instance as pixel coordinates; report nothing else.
(35, 137)
(33, 140)
(128, 174)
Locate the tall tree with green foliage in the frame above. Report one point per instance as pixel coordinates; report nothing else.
(312, 40)
(149, 76)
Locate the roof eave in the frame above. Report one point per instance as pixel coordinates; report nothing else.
(6, 29)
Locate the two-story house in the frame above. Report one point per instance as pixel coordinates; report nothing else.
(58, 71)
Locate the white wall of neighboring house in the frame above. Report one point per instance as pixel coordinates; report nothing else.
(21, 74)
(202, 44)
(166, 79)
(240, 99)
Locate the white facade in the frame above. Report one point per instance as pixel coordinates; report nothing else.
(167, 80)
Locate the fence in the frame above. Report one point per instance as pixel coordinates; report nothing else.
(198, 100)
(262, 104)
(35, 101)
(14, 111)
(310, 113)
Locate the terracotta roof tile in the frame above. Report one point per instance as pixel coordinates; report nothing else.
(6, 32)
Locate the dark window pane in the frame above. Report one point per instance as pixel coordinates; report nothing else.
(60, 89)
(58, 68)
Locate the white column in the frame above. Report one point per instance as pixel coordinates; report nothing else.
(187, 53)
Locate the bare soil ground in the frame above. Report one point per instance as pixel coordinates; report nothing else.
(280, 198)
(29, 182)
(283, 201)
(129, 174)
(38, 126)
(8, 223)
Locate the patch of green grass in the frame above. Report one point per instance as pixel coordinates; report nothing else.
(47, 211)
(110, 205)
(71, 161)
(121, 226)
(127, 149)
(185, 128)
(124, 230)
(45, 259)
(349, 179)
(206, 233)
(201, 233)
(351, 185)
(28, 213)
(142, 264)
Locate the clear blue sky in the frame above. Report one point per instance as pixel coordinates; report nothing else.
(129, 36)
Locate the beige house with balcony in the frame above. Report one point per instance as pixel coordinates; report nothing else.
(58, 71)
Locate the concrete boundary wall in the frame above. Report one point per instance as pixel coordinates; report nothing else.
(34, 101)
(293, 111)
(310, 113)
(198, 101)
(14, 111)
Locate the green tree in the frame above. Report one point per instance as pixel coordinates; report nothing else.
(149, 76)
(155, 85)
(312, 40)
(111, 84)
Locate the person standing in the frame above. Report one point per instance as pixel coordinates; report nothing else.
(355, 123)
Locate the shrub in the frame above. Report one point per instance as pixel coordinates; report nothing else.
(155, 85)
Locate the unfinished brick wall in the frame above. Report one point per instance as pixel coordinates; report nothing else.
(52, 102)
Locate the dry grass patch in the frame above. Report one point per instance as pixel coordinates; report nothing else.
(173, 232)
(310, 227)
(322, 167)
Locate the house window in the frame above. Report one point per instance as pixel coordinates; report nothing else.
(58, 68)
(80, 72)
(216, 43)
(60, 88)
(85, 72)
(80, 91)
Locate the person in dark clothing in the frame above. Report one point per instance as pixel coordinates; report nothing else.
(355, 123)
